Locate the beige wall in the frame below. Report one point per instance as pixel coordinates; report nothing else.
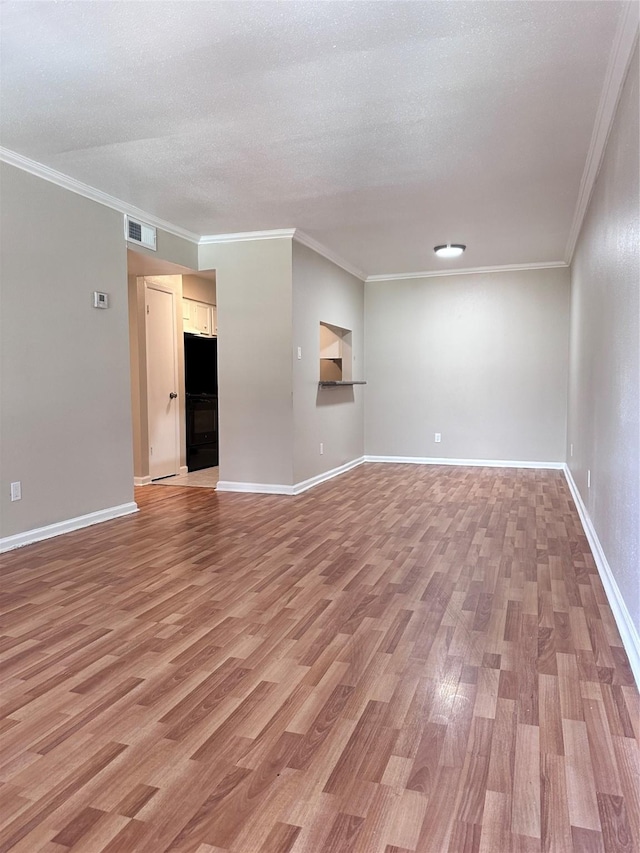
(481, 359)
(254, 299)
(169, 247)
(604, 402)
(65, 401)
(334, 416)
(138, 365)
(199, 288)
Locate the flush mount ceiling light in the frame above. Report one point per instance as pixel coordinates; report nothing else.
(449, 250)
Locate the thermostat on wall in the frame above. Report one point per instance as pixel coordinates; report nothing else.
(100, 300)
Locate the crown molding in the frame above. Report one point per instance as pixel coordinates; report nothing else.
(242, 236)
(12, 158)
(623, 46)
(280, 234)
(550, 265)
(310, 243)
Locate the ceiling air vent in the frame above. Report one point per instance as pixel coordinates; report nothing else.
(138, 232)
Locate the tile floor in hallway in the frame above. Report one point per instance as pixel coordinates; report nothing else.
(205, 478)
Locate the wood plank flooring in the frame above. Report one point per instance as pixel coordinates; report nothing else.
(402, 659)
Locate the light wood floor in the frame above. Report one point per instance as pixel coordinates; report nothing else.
(403, 659)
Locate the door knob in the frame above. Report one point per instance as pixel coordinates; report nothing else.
(172, 395)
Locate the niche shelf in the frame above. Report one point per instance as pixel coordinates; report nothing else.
(336, 357)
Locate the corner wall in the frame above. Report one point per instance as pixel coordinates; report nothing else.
(604, 378)
(138, 364)
(481, 359)
(324, 292)
(254, 300)
(66, 412)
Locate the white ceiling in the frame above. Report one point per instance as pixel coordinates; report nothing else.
(378, 128)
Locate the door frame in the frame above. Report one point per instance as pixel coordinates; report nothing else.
(150, 284)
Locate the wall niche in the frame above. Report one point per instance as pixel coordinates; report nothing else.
(335, 353)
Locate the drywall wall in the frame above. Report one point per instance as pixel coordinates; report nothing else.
(155, 263)
(66, 416)
(479, 358)
(322, 292)
(199, 288)
(138, 367)
(254, 299)
(271, 296)
(169, 247)
(604, 400)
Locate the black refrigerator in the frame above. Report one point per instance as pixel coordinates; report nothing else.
(201, 386)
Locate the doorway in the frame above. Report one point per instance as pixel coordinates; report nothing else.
(161, 453)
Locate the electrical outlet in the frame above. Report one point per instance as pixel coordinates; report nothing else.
(321, 448)
(589, 478)
(299, 352)
(438, 437)
(16, 491)
(571, 449)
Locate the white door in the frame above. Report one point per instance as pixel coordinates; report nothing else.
(162, 383)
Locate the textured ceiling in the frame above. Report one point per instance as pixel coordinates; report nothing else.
(378, 128)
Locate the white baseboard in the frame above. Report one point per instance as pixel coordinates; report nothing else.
(477, 463)
(628, 631)
(8, 543)
(326, 475)
(254, 488)
(298, 488)
(146, 481)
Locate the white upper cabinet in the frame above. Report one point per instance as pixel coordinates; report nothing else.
(199, 318)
